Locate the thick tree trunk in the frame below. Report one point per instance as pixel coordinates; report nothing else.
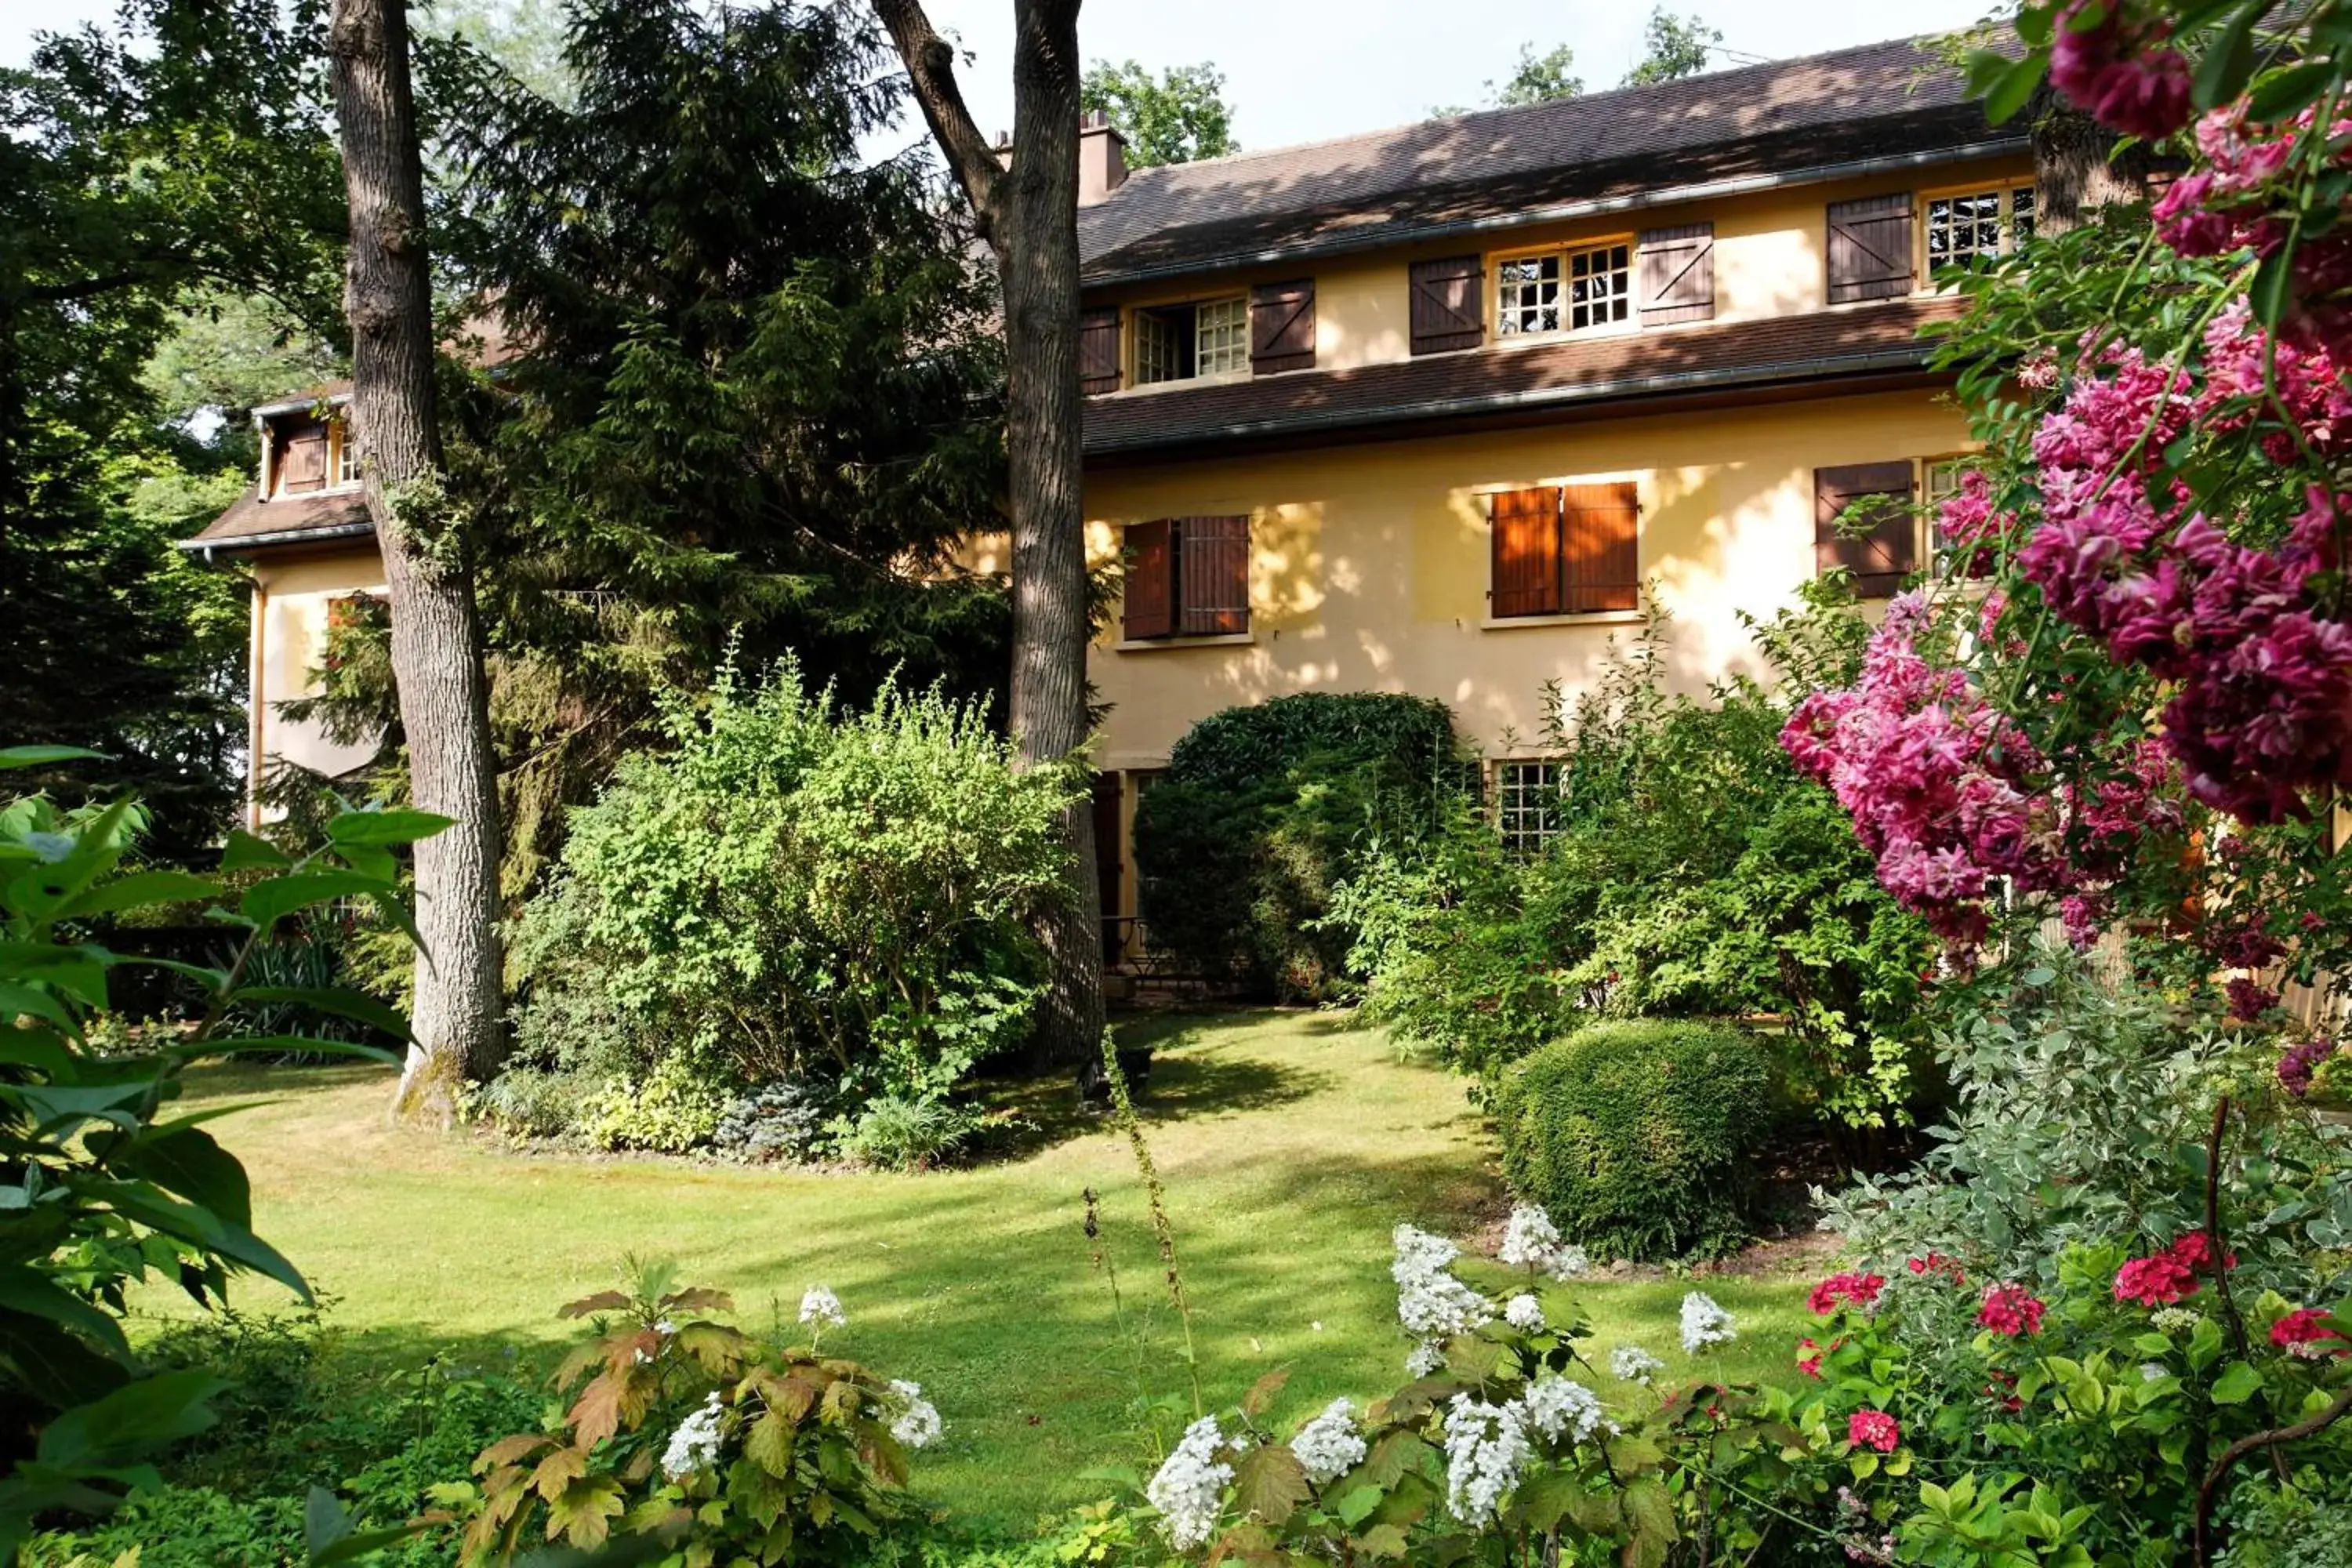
(1028, 212)
(436, 653)
(2076, 168)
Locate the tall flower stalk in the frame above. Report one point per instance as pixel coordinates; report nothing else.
(1155, 1197)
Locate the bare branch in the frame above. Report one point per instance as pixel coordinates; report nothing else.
(930, 65)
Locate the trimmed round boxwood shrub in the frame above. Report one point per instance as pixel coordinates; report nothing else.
(1640, 1138)
(1239, 845)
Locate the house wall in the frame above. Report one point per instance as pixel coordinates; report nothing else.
(291, 594)
(1369, 563)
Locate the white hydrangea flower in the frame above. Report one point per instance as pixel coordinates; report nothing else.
(1524, 1311)
(1531, 1241)
(1705, 1323)
(917, 1424)
(1485, 1447)
(2175, 1319)
(1635, 1365)
(1430, 1303)
(821, 1308)
(1189, 1489)
(1427, 1357)
(695, 1444)
(1329, 1446)
(1555, 1407)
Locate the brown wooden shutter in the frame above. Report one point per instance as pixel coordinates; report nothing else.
(1870, 248)
(1282, 327)
(306, 461)
(1149, 608)
(1098, 352)
(1677, 277)
(1213, 576)
(1887, 551)
(1447, 309)
(1599, 557)
(1527, 553)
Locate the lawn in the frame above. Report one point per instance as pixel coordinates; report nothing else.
(1289, 1145)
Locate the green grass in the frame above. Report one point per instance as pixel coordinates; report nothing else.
(1289, 1145)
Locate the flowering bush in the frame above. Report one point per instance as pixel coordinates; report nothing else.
(688, 1429)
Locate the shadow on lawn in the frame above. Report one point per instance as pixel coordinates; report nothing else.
(1194, 1074)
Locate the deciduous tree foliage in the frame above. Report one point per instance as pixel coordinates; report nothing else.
(1177, 117)
(134, 167)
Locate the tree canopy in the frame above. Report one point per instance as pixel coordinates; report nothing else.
(1675, 46)
(1176, 117)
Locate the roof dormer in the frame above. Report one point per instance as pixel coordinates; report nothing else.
(306, 445)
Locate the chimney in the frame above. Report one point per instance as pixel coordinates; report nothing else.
(1102, 158)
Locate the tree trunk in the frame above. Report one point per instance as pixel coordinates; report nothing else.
(2076, 168)
(437, 644)
(1027, 210)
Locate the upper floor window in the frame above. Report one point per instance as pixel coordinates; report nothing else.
(1863, 520)
(1187, 577)
(1176, 342)
(1529, 297)
(347, 454)
(1977, 223)
(1565, 550)
(302, 458)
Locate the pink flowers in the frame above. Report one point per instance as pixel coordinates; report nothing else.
(2296, 1068)
(1811, 1365)
(2126, 76)
(1874, 1429)
(2010, 1310)
(2304, 1333)
(1862, 1289)
(2169, 1275)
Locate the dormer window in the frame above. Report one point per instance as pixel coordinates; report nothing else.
(347, 454)
(1582, 288)
(1977, 223)
(1177, 343)
(302, 469)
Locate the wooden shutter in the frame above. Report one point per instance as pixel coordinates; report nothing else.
(1282, 327)
(1870, 248)
(1677, 274)
(1098, 352)
(1447, 309)
(1149, 608)
(306, 461)
(1527, 553)
(1213, 576)
(1600, 555)
(1886, 552)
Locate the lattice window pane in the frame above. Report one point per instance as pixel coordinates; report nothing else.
(1155, 349)
(1962, 227)
(347, 456)
(1526, 295)
(1527, 804)
(1600, 291)
(1223, 333)
(2020, 214)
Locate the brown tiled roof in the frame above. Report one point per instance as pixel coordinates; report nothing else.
(1893, 101)
(252, 523)
(1815, 346)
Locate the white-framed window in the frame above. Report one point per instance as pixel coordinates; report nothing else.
(1963, 224)
(1177, 342)
(1599, 287)
(1223, 334)
(1527, 804)
(1578, 288)
(1526, 295)
(347, 454)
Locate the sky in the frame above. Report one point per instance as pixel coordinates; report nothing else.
(1300, 70)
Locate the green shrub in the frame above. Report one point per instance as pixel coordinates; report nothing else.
(790, 891)
(1638, 1138)
(1242, 842)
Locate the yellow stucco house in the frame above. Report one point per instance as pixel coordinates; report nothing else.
(1424, 410)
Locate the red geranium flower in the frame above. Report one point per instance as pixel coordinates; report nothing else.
(2302, 1333)
(1874, 1429)
(1862, 1289)
(2011, 1309)
(1937, 1263)
(1811, 1364)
